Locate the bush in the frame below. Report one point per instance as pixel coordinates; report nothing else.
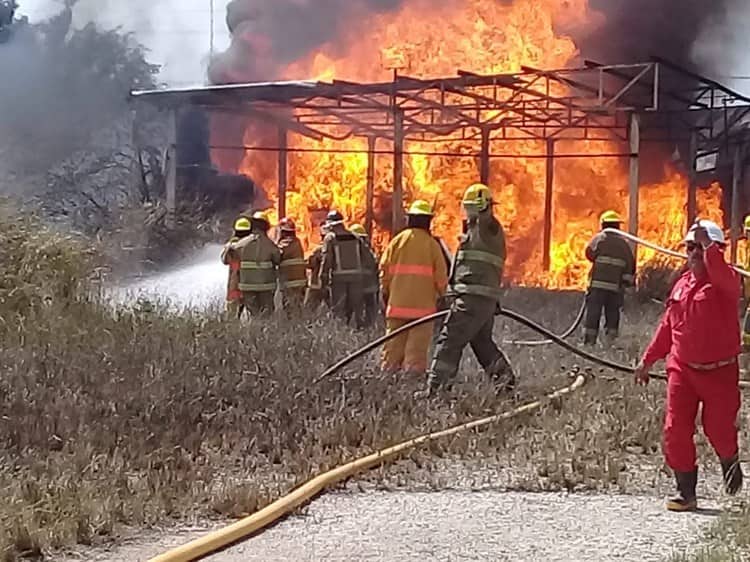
(656, 278)
(39, 266)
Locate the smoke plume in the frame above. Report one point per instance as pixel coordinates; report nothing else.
(722, 49)
(268, 34)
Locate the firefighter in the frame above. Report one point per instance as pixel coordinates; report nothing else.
(612, 272)
(293, 269)
(372, 280)
(260, 259)
(228, 257)
(315, 295)
(475, 298)
(699, 337)
(342, 270)
(413, 278)
(7, 12)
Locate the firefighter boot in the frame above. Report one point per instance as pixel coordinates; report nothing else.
(433, 391)
(502, 376)
(685, 500)
(733, 476)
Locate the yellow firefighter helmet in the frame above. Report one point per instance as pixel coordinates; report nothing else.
(747, 222)
(261, 216)
(610, 217)
(420, 207)
(242, 224)
(478, 196)
(358, 230)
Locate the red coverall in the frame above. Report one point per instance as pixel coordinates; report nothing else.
(699, 328)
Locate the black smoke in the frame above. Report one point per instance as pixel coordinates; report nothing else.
(635, 30)
(268, 34)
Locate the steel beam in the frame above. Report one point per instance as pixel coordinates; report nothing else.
(634, 138)
(548, 201)
(370, 197)
(283, 169)
(398, 170)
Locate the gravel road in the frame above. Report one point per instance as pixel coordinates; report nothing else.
(458, 525)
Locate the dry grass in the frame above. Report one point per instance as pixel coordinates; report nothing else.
(135, 417)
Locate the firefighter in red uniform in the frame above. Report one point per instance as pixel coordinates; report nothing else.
(699, 337)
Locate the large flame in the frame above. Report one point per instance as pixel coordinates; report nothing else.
(430, 39)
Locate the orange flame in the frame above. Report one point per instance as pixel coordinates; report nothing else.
(425, 38)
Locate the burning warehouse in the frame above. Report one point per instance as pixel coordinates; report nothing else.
(410, 99)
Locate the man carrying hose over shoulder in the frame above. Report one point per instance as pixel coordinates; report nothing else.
(699, 337)
(613, 270)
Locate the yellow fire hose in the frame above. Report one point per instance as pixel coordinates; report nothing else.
(286, 504)
(273, 512)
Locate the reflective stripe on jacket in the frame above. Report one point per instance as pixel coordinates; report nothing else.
(232, 259)
(614, 263)
(478, 266)
(293, 268)
(259, 260)
(413, 274)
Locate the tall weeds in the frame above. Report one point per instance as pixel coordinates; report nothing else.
(135, 416)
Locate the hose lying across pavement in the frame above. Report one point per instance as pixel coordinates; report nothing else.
(286, 504)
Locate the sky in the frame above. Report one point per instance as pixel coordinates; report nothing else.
(177, 33)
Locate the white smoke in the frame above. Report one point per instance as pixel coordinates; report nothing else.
(176, 33)
(722, 49)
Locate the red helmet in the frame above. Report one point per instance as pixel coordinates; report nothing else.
(287, 225)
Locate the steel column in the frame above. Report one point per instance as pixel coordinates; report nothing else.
(370, 197)
(634, 139)
(398, 170)
(736, 219)
(548, 192)
(692, 197)
(171, 171)
(283, 171)
(484, 158)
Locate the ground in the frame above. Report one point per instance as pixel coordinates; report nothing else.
(125, 424)
(457, 525)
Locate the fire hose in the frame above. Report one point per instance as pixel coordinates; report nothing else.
(666, 251)
(283, 506)
(262, 519)
(567, 333)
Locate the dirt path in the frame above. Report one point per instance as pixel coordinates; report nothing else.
(457, 525)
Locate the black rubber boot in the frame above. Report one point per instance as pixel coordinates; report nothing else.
(733, 476)
(502, 376)
(685, 500)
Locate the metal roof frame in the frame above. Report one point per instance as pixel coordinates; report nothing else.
(587, 103)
